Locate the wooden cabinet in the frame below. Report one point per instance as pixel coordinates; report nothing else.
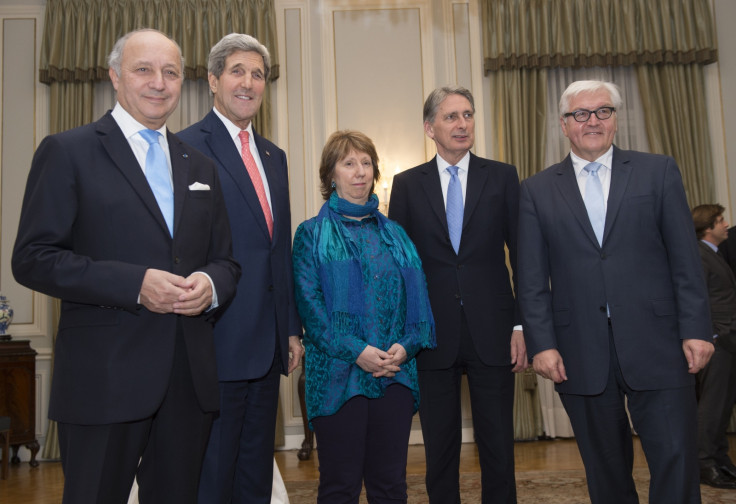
(18, 395)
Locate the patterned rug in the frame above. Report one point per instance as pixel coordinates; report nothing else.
(533, 487)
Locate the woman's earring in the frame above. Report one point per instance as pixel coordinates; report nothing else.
(333, 185)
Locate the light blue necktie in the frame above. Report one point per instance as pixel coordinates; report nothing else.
(454, 208)
(594, 200)
(159, 178)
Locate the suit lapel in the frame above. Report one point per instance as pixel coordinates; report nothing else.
(433, 189)
(568, 186)
(477, 177)
(118, 148)
(223, 148)
(180, 174)
(620, 173)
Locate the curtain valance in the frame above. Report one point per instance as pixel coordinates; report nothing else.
(584, 33)
(79, 34)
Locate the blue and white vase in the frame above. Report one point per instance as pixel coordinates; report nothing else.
(6, 315)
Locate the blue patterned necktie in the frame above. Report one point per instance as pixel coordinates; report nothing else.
(454, 208)
(159, 178)
(594, 200)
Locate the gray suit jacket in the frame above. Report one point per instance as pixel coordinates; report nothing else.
(647, 271)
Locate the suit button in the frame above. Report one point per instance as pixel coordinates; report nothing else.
(460, 266)
(602, 309)
(603, 255)
(457, 296)
(270, 288)
(177, 260)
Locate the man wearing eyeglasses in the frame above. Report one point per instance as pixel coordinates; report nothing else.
(614, 304)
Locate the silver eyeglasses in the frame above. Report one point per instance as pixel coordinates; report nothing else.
(582, 115)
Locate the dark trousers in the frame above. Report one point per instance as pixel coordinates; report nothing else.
(101, 461)
(366, 440)
(238, 464)
(491, 401)
(665, 421)
(716, 396)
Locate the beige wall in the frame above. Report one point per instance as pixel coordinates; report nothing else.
(361, 64)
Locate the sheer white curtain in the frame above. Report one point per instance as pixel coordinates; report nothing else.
(194, 104)
(631, 135)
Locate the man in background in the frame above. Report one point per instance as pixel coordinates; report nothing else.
(261, 326)
(613, 301)
(461, 213)
(716, 382)
(127, 225)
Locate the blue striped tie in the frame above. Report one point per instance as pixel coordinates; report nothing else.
(454, 208)
(159, 178)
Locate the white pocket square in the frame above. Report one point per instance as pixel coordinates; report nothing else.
(198, 186)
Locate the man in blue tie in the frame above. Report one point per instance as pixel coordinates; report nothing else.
(613, 301)
(127, 225)
(461, 212)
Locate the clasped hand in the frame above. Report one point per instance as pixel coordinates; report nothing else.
(380, 363)
(164, 292)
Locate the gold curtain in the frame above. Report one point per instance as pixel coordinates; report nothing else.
(677, 125)
(79, 34)
(519, 99)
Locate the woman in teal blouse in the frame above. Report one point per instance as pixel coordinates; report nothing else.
(362, 298)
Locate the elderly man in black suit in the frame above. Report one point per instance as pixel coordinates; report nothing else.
(461, 212)
(716, 383)
(127, 225)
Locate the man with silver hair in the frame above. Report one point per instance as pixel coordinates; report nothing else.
(460, 210)
(258, 337)
(613, 301)
(127, 225)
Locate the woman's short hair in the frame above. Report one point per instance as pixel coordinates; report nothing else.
(339, 145)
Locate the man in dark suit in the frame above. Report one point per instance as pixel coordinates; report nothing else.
(461, 212)
(261, 326)
(613, 301)
(140, 278)
(716, 382)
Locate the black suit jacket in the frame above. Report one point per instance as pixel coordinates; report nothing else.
(647, 271)
(263, 310)
(721, 290)
(478, 276)
(89, 228)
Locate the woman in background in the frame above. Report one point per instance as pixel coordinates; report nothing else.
(362, 298)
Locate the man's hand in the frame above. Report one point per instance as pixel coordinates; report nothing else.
(160, 290)
(197, 295)
(296, 350)
(518, 352)
(372, 360)
(697, 353)
(549, 365)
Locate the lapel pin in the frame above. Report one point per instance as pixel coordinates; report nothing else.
(268, 153)
(185, 155)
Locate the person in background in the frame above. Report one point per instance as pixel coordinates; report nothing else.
(613, 301)
(461, 212)
(716, 382)
(362, 297)
(127, 225)
(259, 336)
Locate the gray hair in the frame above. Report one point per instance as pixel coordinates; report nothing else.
(589, 86)
(437, 96)
(232, 43)
(115, 59)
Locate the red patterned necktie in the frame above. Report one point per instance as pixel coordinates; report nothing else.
(255, 177)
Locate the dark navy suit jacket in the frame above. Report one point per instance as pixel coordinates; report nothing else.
(89, 228)
(263, 310)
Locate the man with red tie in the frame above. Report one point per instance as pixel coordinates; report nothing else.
(258, 337)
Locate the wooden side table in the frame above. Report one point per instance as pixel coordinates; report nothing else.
(18, 395)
